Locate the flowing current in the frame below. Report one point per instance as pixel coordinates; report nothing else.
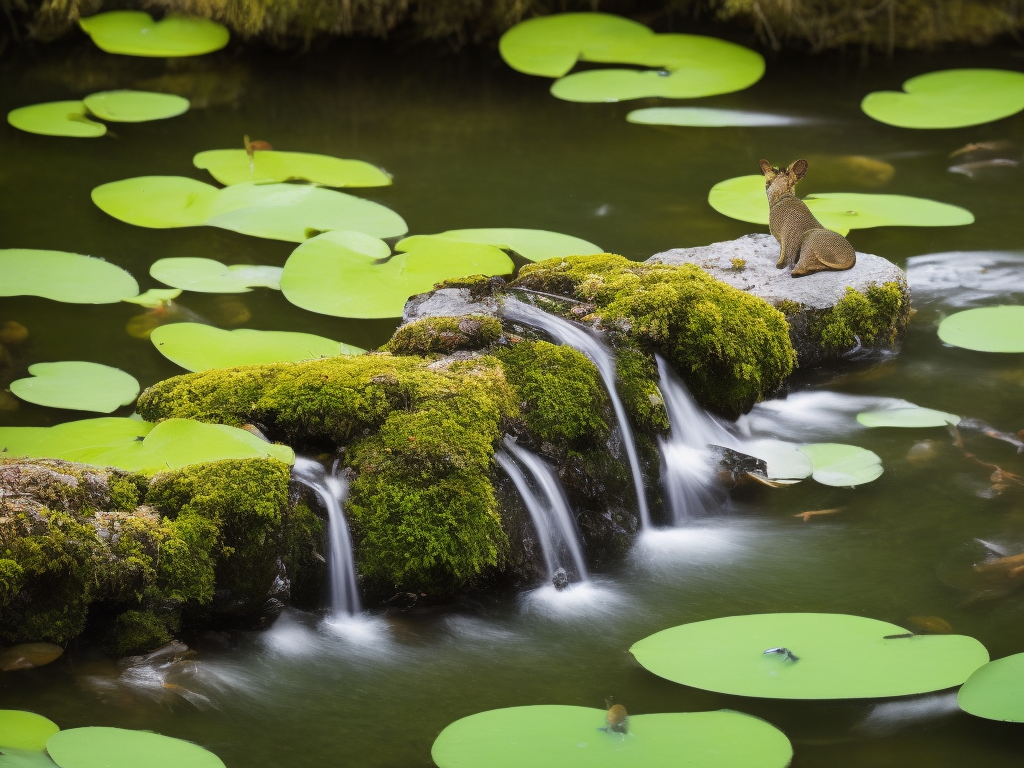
(565, 332)
(549, 509)
(332, 490)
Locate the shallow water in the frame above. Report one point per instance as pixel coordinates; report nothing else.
(473, 144)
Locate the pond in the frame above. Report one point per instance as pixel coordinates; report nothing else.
(472, 143)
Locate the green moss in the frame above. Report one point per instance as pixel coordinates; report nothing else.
(637, 386)
(731, 348)
(870, 317)
(136, 632)
(12, 579)
(562, 398)
(788, 307)
(478, 286)
(127, 489)
(303, 536)
(444, 335)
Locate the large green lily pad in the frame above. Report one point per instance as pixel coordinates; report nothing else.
(952, 98)
(831, 656)
(350, 275)
(553, 736)
(235, 166)
(704, 117)
(134, 33)
(784, 461)
(24, 730)
(62, 276)
(996, 690)
(56, 118)
(138, 446)
(744, 198)
(531, 244)
(199, 347)
(121, 748)
(909, 416)
(986, 329)
(25, 758)
(135, 106)
(278, 211)
(209, 276)
(842, 465)
(77, 385)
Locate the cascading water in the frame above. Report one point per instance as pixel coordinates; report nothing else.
(549, 509)
(332, 490)
(565, 332)
(687, 471)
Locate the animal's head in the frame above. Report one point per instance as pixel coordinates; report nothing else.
(779, 182)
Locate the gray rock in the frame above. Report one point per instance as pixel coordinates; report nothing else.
(808, 302)
(448, 302)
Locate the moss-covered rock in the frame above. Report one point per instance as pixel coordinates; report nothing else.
(444, 335)
(731, 348)
(140, 631)
(877, 316)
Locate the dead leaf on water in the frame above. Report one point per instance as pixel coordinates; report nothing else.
(936, 625)
(815, 512)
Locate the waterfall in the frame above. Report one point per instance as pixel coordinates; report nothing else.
(687, 466)
(549, 509)
(332, 490)
(565, 332)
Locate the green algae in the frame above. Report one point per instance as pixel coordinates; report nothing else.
(444, 335)
(731, 348)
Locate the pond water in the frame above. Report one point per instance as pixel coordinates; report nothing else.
(473, 144)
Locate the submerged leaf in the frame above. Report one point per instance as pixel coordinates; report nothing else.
(155, 298)
(56, 118)
(911, 416)
(986, 329)
(209, 276)
(808, 656)
(77, 385)
(235, 166)
(134, 33)
(135, 106)
(61, 276)
(707, 118)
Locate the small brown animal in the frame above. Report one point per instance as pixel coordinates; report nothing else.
(616, 720)
(807, 245)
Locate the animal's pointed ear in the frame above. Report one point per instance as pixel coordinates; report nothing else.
(766, 169)
(797, 170)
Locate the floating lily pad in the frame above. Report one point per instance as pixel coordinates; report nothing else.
(56, 118)
(744, 198)
(134, 33)
(121, 748)
(996, 690)
(25, 758)
(952, 98)
(785, 461)
(349, 275)
(135, 106)
(29, 656)
(61, 276)
(842, 465)
(531, 244)
(831, 656)
(24, 730)
(704, 117)
(209, 276)
(235, 166)
(552, 736)
(911, 416)
(138, 446)
(986, 329)
(155, 297)
(551, 45)
(277, 211)
(77, 385)
(199, 347)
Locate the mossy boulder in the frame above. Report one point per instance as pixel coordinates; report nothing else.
(731, 348)
(444, 335)
(858, 312)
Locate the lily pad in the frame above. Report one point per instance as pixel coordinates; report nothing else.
(911, 416)
(531, 244)
(996, 690)
(135, 106)
(842, 465)
(235, 166)
(277, 211)
(62, 276)
(199, 347)
(77, 385)
(705, 117)
(952, 98)
(347, 274)
(24, 730)
(155, 297)
(209, 276)
(986, 329)
(134, 33)
(551, 45)
(56, 118)
(785, 461)
(28, 656)
(744, 198)
(122, 748)
(830, 656)
(553, 736)
(25, 758)
(139, 446)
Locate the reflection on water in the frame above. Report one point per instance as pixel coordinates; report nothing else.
(959, 279)
(887, 718)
